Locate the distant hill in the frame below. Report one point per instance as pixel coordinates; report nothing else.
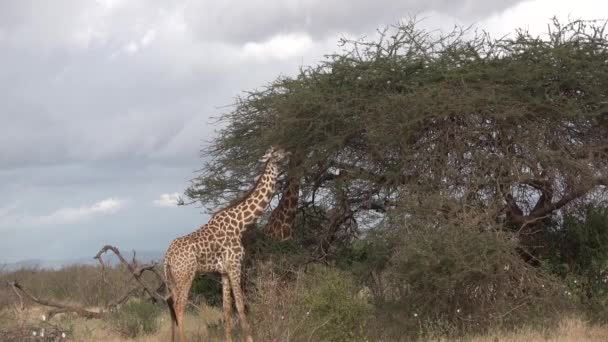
(140, 256)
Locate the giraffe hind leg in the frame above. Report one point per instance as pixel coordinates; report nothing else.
(171, 305)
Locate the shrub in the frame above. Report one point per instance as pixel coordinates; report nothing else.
(577, 251)
(453, 280)
(337, 313)
(320, 305)
(136, 318)
(207, 288)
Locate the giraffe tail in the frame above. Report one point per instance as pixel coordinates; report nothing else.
(169, 300)
(171, 305)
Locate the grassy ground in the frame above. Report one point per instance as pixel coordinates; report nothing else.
(80, 329)
(84, 285)
(204, 325)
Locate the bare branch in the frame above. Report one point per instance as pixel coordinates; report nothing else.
(135, 271)
(61, 306)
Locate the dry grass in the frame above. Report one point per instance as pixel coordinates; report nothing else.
(271, 312)
(199, 321)
(569, 330)
(80, 329)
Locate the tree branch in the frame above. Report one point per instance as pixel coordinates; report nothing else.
(136, 271)
(62, 307)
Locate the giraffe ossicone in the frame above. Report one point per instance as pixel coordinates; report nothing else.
(217, 247)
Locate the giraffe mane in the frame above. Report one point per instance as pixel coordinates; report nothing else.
(244, 196)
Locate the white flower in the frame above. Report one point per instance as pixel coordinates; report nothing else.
(42, 332)
(34, 333)
(415, 314)
(43, 317)
(307, 312)
(457, 310)
(388, 82)
(63, 335)
(575, 281)
(359, 77)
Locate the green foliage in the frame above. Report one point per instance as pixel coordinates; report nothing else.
(414, 114)
(579, 254)
(136, 318)
(336, 312)
(456, 280)
(376, 96)
(207, 287)
(319, 304)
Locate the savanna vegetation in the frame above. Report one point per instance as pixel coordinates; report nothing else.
(453, 186)
(456, 182)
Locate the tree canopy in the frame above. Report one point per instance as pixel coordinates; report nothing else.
(416, 124)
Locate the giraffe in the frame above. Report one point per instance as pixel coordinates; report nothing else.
(217, 247)
(281, 220)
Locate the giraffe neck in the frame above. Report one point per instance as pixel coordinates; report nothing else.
(281, 221)
(252, 205)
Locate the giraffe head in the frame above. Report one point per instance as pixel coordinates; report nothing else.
(275, 154)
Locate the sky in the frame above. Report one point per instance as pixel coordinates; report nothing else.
(105, 105)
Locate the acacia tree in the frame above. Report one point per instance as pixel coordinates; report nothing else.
(511, 130)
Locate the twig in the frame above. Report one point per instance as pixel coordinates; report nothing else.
(529, 222)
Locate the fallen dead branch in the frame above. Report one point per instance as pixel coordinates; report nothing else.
(136, 270)
(60, 306)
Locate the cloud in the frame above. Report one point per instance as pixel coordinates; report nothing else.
(167, 200)
(8, 209)
(281, 46)
(73, 215)
(257, 20)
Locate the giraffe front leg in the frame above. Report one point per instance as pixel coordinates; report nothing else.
(235, 281)
(227, 302)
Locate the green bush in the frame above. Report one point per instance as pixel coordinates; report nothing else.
(336, 312)
(136, 318)
(320, 304)
(577, 251)
(453, 280)
(207, 288)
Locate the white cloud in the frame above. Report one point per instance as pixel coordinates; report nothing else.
(167, 200)
(281, 46)
(83, 213)
(535, 15)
